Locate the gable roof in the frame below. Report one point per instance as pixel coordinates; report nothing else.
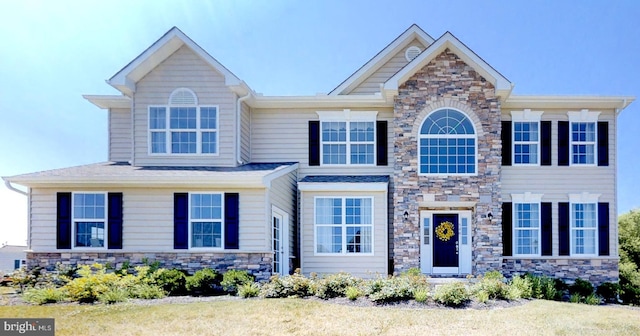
(125, 80)
(413, 32)
(448, 41)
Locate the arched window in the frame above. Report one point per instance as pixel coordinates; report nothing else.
(447, 144)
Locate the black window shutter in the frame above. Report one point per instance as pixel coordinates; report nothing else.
(603, 229)
(546, 227)
(507, 228)
(181, 221)
(506, 143)
(231, 221)
(114, 221)
(603, 143)
(545, 143)
(563, 228)
(563, 143)
(314, 143)
(381, 143)
(63, 221)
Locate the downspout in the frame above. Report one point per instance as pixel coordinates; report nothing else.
(12, 188)
(239, 128)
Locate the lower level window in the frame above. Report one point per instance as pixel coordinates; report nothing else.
(584, 226)
(205, 220)
(89, 218)
(527, 228)
(344, 225)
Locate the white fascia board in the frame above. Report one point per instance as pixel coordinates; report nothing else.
(413, 32)
(568, 102)
(342, 101)
(447, 40)
(337, 186)
(109, 101)
(158, 52)
(278, 172)
(253, 181)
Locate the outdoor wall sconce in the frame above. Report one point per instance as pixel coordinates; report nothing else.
(406, 216)
(490, 215)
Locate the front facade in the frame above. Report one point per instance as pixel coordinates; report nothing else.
(422, 158)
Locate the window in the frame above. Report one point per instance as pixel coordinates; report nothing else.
(447, 144)
(344, 225)
(584, 226)
(183, 127)
(205, 220)
(583, 142)
(525, 142)
(89, 219)
(348, 142)
(526, 228)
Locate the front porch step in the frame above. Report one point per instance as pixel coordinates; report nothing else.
(443, 280)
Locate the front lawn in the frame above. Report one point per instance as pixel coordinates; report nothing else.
(232, 316)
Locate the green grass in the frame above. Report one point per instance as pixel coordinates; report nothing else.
(308, 317)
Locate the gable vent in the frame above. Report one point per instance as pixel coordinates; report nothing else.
(183, 96)
(411, 53)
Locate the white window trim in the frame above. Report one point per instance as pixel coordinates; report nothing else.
(105, 220)
(583, 198)
(466, 136)
(526, 198)
(343, 225)
(222, 217)
(168, 130)
(347, 116)
(525, 116)
(583, 116)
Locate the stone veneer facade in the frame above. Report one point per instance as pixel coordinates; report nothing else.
(596, 270)
(258, 264)
(447, 82)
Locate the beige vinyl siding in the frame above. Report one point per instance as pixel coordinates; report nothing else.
(398, 61)
(359, 265)
(184, 69)
(284, 195)
(120, 135)
(557, 182)
(282, 135)
(245, 130)
(148, 218)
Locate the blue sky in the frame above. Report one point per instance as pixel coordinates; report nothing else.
(55, 51)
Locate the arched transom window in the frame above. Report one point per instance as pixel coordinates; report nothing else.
(447, 144)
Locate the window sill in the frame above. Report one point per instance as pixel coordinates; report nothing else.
(562, 257)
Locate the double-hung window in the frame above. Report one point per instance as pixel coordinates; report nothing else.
(583, 137)
(348, 137)
(584, 226)
(344, 225)
(206, 220)
(183, 127)
(526, 137)
(526, 228)
(89, 219)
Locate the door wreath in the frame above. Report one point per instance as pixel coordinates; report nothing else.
(445, 231)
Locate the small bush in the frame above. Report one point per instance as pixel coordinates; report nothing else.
(391, 289)
(492, 283)
(520, 287)
(454, 294)
(296, 285)
(146, 291)
(172, 281)
(413, 271)
(93, 281)
(609, 292)
(575, 298)
(543, 287)
(334, 285)
(232, 279)
(44, 295)
(421, 295)
(581, 287)
(249, 290)
(204, 282)
(592, 299)
(482, 296)
(353, 293)
(113, 295)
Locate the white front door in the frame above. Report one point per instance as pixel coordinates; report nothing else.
(280, 244)
(445, 242)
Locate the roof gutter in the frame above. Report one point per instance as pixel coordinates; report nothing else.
(12, 188)
(239, 128)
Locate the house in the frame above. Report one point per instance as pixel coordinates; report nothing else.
(422, 158)
(12, 257)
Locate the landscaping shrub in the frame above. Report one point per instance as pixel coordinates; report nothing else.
(249, 290)
(232, 279)
(172, 281)
(93, 281)
(44, 295)
(453, 294)
(592, 299)
(113, 294)
(544, 287)
(581, 287)
(520, 287)
(575, 298)
(296, 285)
(492, 283)
(391, 289)
(146, 291)
(421, 295)
(204, 282)
(353, 293)
(334, 285)
(629, 283)
(609, 292)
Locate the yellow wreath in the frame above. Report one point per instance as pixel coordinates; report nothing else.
(445, 231)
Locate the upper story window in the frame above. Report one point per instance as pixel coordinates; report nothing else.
(447, 144)
(344, 225)
(183, 126)
(583, 137)
(89, 219)
(526, 137)
(348, 138)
